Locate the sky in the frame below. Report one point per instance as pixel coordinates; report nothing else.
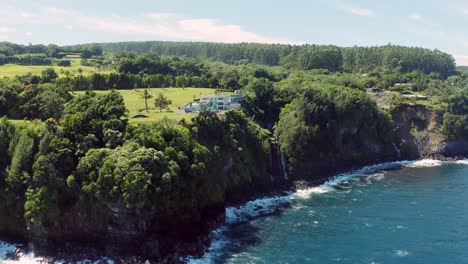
(433, 24)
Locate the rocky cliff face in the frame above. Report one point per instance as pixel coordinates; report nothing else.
(418, 131)
(132, 236)
(419, 134)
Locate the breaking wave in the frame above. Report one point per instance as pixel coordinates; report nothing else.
(425, 163)
(265, 206)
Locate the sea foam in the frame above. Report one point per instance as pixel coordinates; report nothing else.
(256, 208)
(266, 206)
(31, 259)
(372, 172)
(464, 162)
(425, 163)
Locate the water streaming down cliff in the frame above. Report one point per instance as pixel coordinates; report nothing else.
(397, 151)
(278, 164)
(284, 164)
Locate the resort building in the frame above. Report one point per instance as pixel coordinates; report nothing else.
(215, 103)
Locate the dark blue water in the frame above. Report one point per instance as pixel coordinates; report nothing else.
(415, 214)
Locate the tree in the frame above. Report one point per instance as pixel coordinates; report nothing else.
(48, 75)
(146, 95)
(332, 123)
(52, 51)
(93, 114)
(162, 102)
(64, 63)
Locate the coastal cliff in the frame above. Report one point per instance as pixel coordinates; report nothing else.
(419, 134)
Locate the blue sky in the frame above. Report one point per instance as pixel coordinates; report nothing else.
(430, 23)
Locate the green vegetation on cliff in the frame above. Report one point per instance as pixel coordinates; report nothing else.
(171, 171)
(334, 123)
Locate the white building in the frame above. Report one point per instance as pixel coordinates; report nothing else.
(192, 107)
(215, 103)
(402, 84)
(221, 102)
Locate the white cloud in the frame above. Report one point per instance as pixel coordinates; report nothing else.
(161, 16)
(29, 34)
(166, 26)
(461, 60)
(58, 11)
(460, 8)
(420, 19)
(3, 37)
(360, 11)
(416, 17)
(4, 29)
(211, 29)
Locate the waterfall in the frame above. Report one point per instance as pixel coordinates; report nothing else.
(278, 165)
(397, 151)
(284, 168)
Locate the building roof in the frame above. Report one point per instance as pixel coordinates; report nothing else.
(73, 56)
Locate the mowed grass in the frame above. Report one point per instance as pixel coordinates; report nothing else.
(12, 70)
(179, 97)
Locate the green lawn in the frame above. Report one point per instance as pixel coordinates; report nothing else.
(179, 97)
(11, 70)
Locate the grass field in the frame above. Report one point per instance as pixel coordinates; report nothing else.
(11, 70)
(179, 97)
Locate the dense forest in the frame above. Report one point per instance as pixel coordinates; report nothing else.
(42, 54)
(306, 57)
(388, 58)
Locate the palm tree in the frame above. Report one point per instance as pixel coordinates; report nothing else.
(146, 95)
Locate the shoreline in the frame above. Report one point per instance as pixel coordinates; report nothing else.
(235, 213)
(256, 208)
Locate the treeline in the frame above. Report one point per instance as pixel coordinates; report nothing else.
(389, 58)
(101, 81)
(148, 70)
(33, 59)
(29, 59)
(50, 51)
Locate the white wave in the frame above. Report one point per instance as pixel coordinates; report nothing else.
(306, 193)
(219, 241)
(377, 176)
(255, 208)
(465, 162)
(401, 253)
(22, 258)
(424, 163)
(235, 215)
(25, 259)
(31, 259)
(372, 172)
(5, 248)
(265, 206)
